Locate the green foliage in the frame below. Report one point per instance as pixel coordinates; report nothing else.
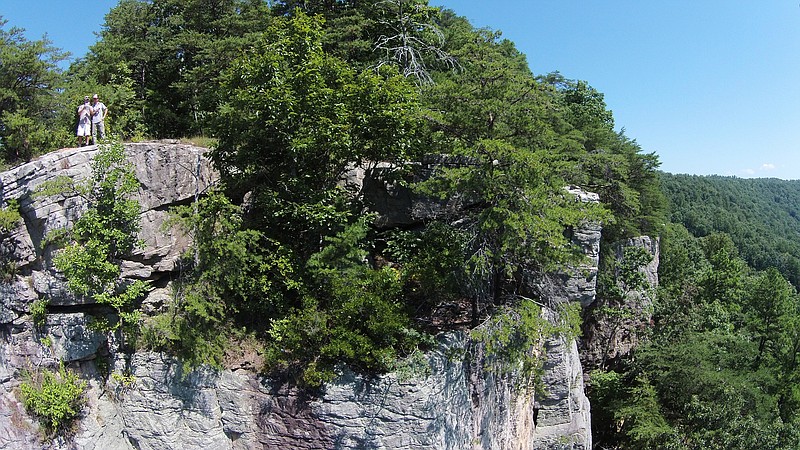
(29, 84)
(104, 233)
(514, 338)
(308, 117)
(610, 164)
(431, 262)
(54, 398)
(9, 217)
(161, 59)
(505, 163)
(295, 101)
(233, 262)
(624, 274)
(628, 413)
(192, 329)
(413, 367)
(403, 33)
(720, 365)
(39, 312)
(356, 316)
(296, 258)
(237, 278)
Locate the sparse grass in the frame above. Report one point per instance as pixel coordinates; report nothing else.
(201, 141)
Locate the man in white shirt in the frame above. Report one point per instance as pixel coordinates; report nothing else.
(99, 113)
(84, 122)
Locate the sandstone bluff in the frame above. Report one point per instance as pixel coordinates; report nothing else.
(454, 404)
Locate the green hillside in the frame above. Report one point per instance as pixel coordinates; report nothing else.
(761, 215)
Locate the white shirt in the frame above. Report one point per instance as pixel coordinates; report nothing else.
(84, 112)
(99, 111)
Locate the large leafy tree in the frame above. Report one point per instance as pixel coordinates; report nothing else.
(491, 118)
(294, 118)
(169, 53)
(29, 83)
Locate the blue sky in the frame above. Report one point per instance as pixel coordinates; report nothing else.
(711, 86)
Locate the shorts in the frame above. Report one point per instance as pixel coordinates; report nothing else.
(84, 129)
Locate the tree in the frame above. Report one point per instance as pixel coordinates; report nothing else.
(29, 83)
(724, 278)
(170, 53)
(768, 307)
(288, 262)
(611, 164)
(295, 118)
(491, 120)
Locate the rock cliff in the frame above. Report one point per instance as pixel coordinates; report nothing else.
(615, 321)
(442, 400)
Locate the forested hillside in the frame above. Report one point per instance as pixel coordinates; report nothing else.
(719, 365)
(759, 214)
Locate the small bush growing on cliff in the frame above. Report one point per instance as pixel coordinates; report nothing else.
(9, 216)
(514, 337)
(39, 312)
(54, 398)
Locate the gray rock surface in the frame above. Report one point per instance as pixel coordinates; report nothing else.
(609, 337)
(445, 400)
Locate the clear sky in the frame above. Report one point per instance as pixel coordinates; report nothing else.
(711, 86)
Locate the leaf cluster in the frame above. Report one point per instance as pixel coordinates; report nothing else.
(55, 398)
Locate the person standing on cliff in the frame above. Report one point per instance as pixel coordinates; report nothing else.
(99, 113)
(84, 122)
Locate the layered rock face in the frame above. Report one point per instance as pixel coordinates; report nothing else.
(442, 400)
(613, 325)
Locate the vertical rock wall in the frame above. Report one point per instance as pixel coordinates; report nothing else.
(613, 325)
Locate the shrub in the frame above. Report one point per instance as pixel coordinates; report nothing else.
(514, 337)
(9, 216)
(39, 312)
(54, 398)
(104, 233)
